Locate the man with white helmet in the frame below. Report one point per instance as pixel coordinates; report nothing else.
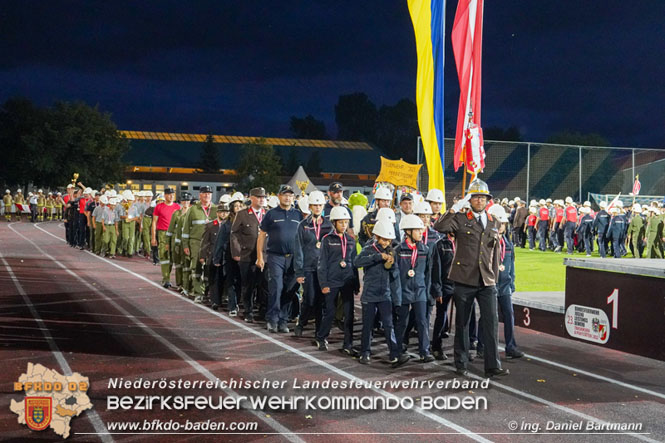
(8, 201)
(279, 227)
(571, 223)
(414, 261)
(584, 230)
(109, 221)
(436, 200)
(531, 227)
(615, 230)
(475, 271)
(307, 251)
(381, 293)
(600, 225)
(543, 224)
(519, 221)
(338, 278)
(96, 225)
(636, 231)
(383, 197)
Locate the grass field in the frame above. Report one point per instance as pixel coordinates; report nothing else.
(539, 271)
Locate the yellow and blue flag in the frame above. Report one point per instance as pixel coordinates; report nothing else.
(428, 17)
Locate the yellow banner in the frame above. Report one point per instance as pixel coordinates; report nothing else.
(399, 173)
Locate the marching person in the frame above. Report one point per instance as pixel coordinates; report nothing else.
(435, 200)
(615, 230)
(161, 218)
(521, 214)
(584, 230)
(215, 273)
(653, 233)
(193, 227)
(307, 251)
(335, 199)
(337, 276)
(381, 291)
(475, 271)
(280, 227)
(442, 291)
(414, 262)
(600, 225)
(97, 224)
(183, 282)
(244, 233)
(530, 227)
(8, 201)
(636, 231)
(570, 225)
(20, 200)
(109, 221)
(222, 258)
(543, 224)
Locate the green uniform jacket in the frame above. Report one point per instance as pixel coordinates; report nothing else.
(636, 226)
(195, 222)
(175, 227)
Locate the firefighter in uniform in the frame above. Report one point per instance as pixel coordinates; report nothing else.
(9, 202)
(182, 274)
(192, 231)
(383, 198)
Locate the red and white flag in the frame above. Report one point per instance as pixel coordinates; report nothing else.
(637, 185)
(613, 202)
(467, 40)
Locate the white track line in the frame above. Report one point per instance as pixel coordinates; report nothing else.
(186, 358)
(461, 430)
(92, 415)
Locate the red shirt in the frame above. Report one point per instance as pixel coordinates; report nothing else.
(531, 220)
(164, 212)
(571, 214)
(66, 198)
(82, 203)
(559, 215)
(544, 213)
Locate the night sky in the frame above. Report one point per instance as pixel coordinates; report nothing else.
(244, 67)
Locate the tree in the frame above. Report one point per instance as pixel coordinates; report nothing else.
(397, 130)
(292, 162)
(308, 127)
(356, 117)
(259, 165)
(567, 137)
(52, 143)
(511, 134)
(313, 166)
(209, 160)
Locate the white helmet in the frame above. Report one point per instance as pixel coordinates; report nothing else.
(411, 221)
(130, 197)
(569, 200)
(113, 201)
(104, 200)
(422, 208)
(435, 195)
(542, 202)
(339, 213)
(19, 190)
(637, 207)
(384, 229)
(303, 204)
(504, 201)
(237, 197)
(29, 194)
(272, 201)
(112, 193)
(69, 186)
(585, 210)
(40, 191)
(148, 193)
(8, 191)
(225, 199)
(316, 198)
(386, 214)
(383, 193)
(587, 203)
(614, 210)
(655, 210)
(498, 212)
(517, 200)
(533, 203)
(511, 202)
(85, 191)
(619, 204)
(532, 209)
(549, 200)
(602, 204)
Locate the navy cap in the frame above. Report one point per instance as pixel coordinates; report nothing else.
(205, 189)
(169, 191)
(284, 189)
(335, 187)
(185, 196)
(406, 197)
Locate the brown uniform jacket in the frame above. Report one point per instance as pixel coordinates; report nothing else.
(477, 252)
(244, 232)
(520, 216)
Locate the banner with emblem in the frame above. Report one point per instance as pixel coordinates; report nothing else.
(399, 173)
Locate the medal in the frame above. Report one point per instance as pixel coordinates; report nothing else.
(318, 245)
(342, 240)
(502, 268)
(342, 264)
(411, 273)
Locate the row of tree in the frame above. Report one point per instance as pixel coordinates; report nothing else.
(46, 145)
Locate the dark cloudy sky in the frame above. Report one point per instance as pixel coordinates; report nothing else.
(244, 67)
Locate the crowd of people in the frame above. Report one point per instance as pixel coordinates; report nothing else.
(302, 261)
(563, 224)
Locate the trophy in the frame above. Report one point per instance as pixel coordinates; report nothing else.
(75, 178)
(302, 185)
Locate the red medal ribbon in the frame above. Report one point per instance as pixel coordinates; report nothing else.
(206, 212)
(317, 230)
(425, 235)
(503, 248)
(342, 239)
(258, 215)
(414, 254)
